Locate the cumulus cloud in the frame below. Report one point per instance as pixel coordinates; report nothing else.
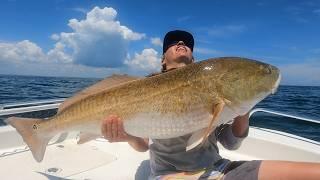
(96, 46)
(98, 41)
(148, 61)
(23, 51)
(57, 54)
(156, 41)
(55, 69)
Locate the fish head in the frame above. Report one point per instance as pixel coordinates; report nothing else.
(241, 82)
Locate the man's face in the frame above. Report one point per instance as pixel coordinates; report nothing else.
(178, 53)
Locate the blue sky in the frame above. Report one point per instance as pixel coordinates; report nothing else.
(99, 38)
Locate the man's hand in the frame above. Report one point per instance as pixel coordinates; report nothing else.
(240, 125)
(112, 130)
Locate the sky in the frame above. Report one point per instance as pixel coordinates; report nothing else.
(97, 38)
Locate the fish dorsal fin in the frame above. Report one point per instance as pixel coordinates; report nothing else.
(201, 136)
(105, 84)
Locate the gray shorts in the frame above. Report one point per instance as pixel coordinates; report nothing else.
(228, 170)
(242, 170)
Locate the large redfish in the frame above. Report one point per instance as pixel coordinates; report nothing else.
(192, 99)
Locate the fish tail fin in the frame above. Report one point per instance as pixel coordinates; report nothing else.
(28, 128)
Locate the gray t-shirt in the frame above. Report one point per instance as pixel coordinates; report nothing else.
(170, 155)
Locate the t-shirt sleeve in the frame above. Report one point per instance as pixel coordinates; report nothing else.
(226, 137)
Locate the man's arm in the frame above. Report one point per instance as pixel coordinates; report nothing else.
(112, 130)
(231, 135)
(240, 126)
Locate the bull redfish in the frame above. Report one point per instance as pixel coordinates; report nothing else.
(192, 99)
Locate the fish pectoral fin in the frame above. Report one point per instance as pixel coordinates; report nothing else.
(216, 111)
(86, 137)
(200, 136)
(195, 139)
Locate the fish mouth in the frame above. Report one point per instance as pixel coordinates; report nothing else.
(276, 85)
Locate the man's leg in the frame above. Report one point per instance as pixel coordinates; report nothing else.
(289, 170)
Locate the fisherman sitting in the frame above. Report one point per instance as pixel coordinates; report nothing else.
(169, 158)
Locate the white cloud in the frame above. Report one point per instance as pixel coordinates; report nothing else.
(97, 45)
(99, 40)
(156, 41)
(55, 69)
(58, 55)
(148, 61)
(23, 51)
(55, 37)
(79, 9)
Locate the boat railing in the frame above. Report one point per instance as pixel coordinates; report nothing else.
(30, 103)
(10, 109)
(289, 117)
(283, 114)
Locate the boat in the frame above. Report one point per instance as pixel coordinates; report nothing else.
(99, 159)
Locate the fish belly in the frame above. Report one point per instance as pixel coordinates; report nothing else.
(156, 125)
(164, 126)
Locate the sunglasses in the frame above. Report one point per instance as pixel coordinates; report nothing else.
(177, 42)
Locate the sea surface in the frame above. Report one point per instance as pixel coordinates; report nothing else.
(300, 101)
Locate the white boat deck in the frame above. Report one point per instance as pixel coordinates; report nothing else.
(99, 159)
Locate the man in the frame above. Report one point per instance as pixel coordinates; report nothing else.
(169, 157)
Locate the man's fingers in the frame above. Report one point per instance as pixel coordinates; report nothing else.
(104, 128)
(114, 128)
(109, 128)
(122, 134)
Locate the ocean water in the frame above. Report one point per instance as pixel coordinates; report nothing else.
(302, 101)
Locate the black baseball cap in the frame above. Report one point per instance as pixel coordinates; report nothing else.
(173, 37)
